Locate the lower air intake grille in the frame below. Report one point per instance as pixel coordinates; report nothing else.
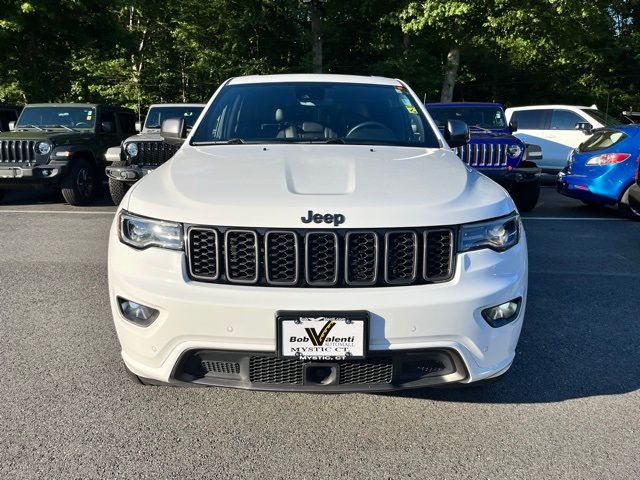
(367, 372)
(225, 368)
(276, 370)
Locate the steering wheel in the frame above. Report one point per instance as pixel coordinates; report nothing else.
(369, 124)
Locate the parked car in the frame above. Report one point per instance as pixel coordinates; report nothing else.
(493, 150)
(557, 129)
(634, 193)
(62, 146)
(140, 154)
(317, 233)
(604, 169)
(8, 114)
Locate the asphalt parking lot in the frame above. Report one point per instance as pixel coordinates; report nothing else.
(569, 408)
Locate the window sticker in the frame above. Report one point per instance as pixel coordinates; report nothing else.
(412, 110)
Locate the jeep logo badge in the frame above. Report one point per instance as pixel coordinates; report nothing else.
(335, 218)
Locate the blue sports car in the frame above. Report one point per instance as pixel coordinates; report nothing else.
(604, 169)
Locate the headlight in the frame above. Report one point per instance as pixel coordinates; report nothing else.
(500, 234)
(514, 150)
(132, 149)
(44, 148)
(140, 232)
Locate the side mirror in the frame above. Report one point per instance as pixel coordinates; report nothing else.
(12, 126)
(174, 131)
(138, 126)
(532, 152)
(456, 133)
(107, 127)
(513, 127)
(586, 127)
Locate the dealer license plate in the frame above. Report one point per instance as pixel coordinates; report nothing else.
(323, 335)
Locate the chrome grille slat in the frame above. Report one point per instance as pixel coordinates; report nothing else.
(203, 253)
(241, 256)
(326, 258)
(154, 153)
(361, 258)
(401, 257)
(281, 257)
(438, 254)
(483, 155)
(17, 151)
(321, 258)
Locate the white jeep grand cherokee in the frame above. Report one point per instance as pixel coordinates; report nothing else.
(317, 233)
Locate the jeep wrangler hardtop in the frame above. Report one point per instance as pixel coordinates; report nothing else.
(62, 145)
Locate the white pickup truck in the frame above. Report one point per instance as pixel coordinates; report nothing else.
(317, 233)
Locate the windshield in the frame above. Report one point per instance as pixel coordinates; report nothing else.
(319, 112)
(489, 117)
(57, 117)
(157, 115)
(603, 118)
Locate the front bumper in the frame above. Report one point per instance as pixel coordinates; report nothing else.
(238, 322)
(514, 177)
(128, 173)
(16, 176)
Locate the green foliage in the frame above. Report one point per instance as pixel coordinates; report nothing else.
(134, 52)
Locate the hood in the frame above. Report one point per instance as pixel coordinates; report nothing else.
(277, 185)
(150, 136)
(493, 136)
(56, 137)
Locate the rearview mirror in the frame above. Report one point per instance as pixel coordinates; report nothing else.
(456, 133)
(513, 127)
(12, 126)
(138, 126)
(586, 127)
(174, 131)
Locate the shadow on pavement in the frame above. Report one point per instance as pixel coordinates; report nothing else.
(49, 197)
(580, 339)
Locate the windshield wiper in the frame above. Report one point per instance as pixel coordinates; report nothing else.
(31, 126)
(65, 127)
(335, 140)
(480, 128)
(231, 141)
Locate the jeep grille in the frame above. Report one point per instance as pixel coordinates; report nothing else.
(321, 258)
(154, 153)
(17, 151)
(483, 155)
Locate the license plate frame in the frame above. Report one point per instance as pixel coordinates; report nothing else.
(348, 321)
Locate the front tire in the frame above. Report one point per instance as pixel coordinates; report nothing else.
(526, 195)
(117, 188)
(625, 207)
(79, 186)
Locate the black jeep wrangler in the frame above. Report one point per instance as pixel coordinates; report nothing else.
(62, 146)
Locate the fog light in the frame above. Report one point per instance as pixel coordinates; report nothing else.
(502, 314)
(137, 313)
(46, 172)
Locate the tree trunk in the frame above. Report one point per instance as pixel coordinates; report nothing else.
(316, 34)
(451, 73)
